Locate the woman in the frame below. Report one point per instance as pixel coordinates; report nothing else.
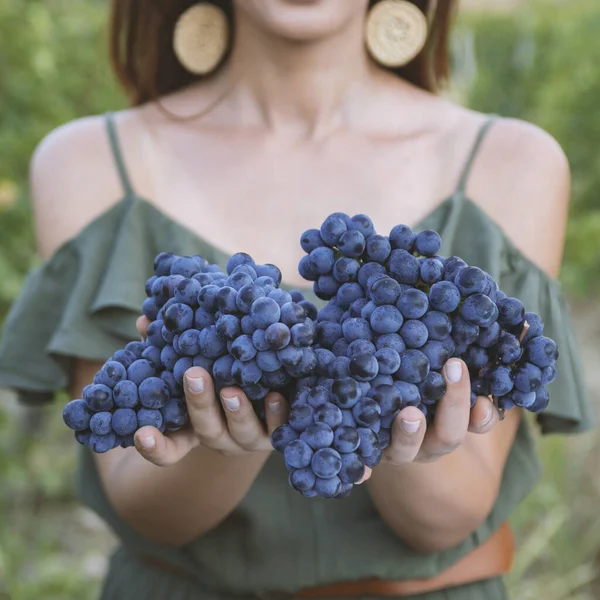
(296, 120)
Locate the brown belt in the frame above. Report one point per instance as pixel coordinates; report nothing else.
(491, 559)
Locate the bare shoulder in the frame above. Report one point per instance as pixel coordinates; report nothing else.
(521, 178)
(73, 179)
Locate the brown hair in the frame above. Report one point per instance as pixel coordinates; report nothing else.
(141, 34)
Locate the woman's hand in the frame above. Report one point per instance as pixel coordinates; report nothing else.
(413, 441)
(237, 432)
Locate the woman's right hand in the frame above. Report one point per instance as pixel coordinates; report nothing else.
(238, 432)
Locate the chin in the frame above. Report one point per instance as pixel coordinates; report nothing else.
(302, 20)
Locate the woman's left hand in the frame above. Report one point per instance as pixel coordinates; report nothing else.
(413, 441)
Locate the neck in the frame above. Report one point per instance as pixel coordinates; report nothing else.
(303, 87)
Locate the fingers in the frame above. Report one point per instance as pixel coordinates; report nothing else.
(205, 413)
(164, 450)
(142, 326)
(276, 410)
(484, 416)
(244, 426)
(408, 431)
(452, 413)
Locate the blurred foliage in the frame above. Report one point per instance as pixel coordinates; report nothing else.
(537, 63)
(53, 69)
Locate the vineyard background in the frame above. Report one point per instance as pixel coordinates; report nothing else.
(535, 60)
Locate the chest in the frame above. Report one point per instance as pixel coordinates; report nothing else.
(255, 194)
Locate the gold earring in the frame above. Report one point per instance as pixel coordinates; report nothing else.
(201, 38)
(395, 32)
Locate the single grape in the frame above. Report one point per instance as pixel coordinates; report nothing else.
(542, 352)
(282, 436)
(124, 421)
(444, 296)
(428, 243)
(77, 415)
(414, 366)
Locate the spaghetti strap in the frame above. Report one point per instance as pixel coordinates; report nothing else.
(483, 130)
(111, 129)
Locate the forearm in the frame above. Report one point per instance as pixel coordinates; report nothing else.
(176, 504)
(434, 506)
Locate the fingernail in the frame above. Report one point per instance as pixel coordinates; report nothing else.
(453, 370)
(411, 426)
(147, 443)
(274, 407)
(488, 416)
(232, 404)
(196, 384)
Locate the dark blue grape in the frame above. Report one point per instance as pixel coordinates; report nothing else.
(163, 262)
(110, 374)
(199, 361)
(310, 240)
(149, 418)
(536, 327)
(351, 243)
(318, 435)
(390, 340)
(280, 296)
(277, 335)
(178, 317)
(479, 310)
(352, 468)
(369, 443)
(328, 333)
(386, 319)
(228, 328)
(211, 345)
(385, 290)
(388, 399)
(414, 333)
(269, 270)
(412, 303)
(303, 334)
(346, 269)
(331, 230)
(471, 280)
(153, 335)
(444, 296)
(378, 248)
(500, 380)
(358, 346)
(227, 300)
(124, 357)
(385, 438)
(174, 414)
(267, 361)
(282, 436)
(188, 343)
(100, 423)
(431, 270)
(124, 421)
(136, 348)
(328, 488)
(290, 356)
(150, 309)
(346, 439)
(402, 237)
(463, 332)
(125, 394)
(168, 358)
(409, 393)
(153, 393)
(242, 348)
(292, 314)
(203, 319)
(222, 370)
(264, 312)
(241, 258)
(297, 454)
(302, 480)
(363, 366)
(432, 388)
(326, 463)
(476, 357)
(77, 415)
(187, 291)
(356, 328)
(428, 242)
(414, 366)
(317, 396)
(510, 312)
(102, 443)
(489, 336)
(321, 260)
(508, 350)
(349, 293)
(368, 270)
(404, 266)
(301, 416)
(249, 372)
(528, 378)
(438, 325)
(340, 367)
(374, 459)
(329, 414)
(247, 295)
(185, 266)
(542, 352)
(437, 353)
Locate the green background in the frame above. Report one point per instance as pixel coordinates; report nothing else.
(538, 62)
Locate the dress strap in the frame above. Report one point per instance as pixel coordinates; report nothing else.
(483, 130)
(113, 138)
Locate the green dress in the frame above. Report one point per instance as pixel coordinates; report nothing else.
(83, 303)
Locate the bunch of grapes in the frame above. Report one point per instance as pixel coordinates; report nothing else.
(397, 312)
(240, 326)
